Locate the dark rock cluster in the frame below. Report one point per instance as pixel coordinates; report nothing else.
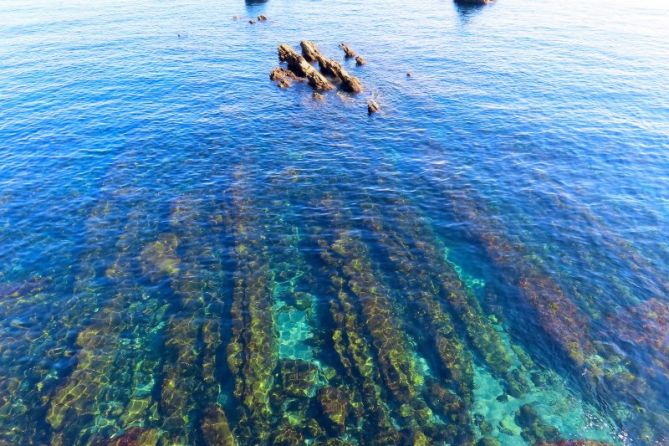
(329, 75)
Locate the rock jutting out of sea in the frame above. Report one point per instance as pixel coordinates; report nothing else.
(329, 67)
(299, 65)
(348, 52)
(282, 77)
(372, 106)
(359, 60)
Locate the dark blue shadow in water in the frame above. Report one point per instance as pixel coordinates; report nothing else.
(254, 7)
(467, 11)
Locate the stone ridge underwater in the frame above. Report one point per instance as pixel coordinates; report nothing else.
(192, 256)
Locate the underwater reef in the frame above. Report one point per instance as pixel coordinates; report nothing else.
(233, 324)
(567, 325)
(235, 318)
(252, 351)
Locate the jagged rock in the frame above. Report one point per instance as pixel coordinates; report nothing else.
(359, 60)
(252, 22)
(348, 52)
(317, 96)
(299, 65)
(372, 106)
(311, 53)
(348, 83)
(409, 74)
(262, 18)
(280, 72)
(283, 77)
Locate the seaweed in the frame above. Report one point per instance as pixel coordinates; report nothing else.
(425, 274)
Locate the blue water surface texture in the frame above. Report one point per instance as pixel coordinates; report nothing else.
(190, 255)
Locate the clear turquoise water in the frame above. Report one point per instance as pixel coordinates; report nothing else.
(190, 255)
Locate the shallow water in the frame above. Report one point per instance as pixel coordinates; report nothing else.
(190, 255)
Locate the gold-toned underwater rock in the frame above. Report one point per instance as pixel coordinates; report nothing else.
(160, 257)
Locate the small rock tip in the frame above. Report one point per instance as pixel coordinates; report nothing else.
(372, 106)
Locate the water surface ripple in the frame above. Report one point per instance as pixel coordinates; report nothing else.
(190, 255)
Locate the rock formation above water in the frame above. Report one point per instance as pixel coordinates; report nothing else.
(300, 67)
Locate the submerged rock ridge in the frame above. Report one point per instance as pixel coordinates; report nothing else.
(365, 304)
(190, 389)
(252, 350)
(599, 368)
(101, 233)
(108, 392)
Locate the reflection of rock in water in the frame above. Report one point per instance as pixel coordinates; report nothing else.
(255, 2)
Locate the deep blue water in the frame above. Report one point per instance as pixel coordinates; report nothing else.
(191, 255)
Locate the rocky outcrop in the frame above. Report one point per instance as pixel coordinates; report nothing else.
(329, 67)
(283, 77)
(348, 52)
(372, 106)
(299, 65)
(321, 77)
(310, 51)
